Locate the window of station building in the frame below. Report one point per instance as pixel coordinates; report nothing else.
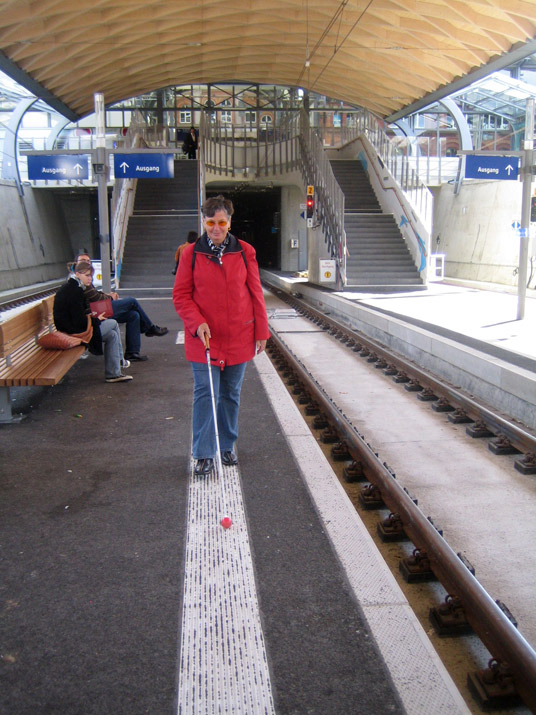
(250, 117)
(185, 117)
(226, 117)
(266, 119)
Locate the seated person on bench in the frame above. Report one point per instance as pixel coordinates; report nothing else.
(126, 310)
(71, 316)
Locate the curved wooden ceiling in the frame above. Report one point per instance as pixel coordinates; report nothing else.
(379, 54)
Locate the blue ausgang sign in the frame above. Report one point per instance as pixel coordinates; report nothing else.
(491, 167)
(57, 166)
(149, 166)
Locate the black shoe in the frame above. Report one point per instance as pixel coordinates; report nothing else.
(135, 357)
(228, 457)
(203, 466)
(156, 330)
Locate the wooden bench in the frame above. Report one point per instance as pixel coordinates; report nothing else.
(23, 362)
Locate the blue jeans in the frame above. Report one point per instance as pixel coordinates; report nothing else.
(113, 349)
(129, 311)
(227, 385)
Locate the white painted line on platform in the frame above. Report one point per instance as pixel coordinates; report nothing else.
(421, 679)
(223, 665)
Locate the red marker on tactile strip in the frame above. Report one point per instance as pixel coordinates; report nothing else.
(226, 522)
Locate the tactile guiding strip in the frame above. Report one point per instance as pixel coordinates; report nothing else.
(223, 666)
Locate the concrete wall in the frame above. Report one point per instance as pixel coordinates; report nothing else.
(293, 229)
(35, 239)
(475, 230)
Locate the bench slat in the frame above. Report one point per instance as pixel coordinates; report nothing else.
(30, 364)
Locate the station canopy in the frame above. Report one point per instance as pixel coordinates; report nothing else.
(388, 56)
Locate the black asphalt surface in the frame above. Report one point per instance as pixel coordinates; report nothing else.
(93, 489)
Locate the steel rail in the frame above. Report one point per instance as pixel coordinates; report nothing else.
(488, 621)
(521, 438)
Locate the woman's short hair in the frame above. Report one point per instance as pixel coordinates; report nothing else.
(217, 203)
(192, 237)
(84, 267)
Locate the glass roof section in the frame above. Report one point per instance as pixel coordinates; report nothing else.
(499, 94)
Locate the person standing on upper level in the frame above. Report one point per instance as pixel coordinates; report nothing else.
(191, 143)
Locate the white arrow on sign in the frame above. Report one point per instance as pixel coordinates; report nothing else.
(78, 168)
(509, 168)
(124, 166)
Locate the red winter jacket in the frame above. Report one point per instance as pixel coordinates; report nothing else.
(227, 296)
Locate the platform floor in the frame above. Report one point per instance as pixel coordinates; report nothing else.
(97, 535)
(93, 524)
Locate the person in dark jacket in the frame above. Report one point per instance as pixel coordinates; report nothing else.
(126, 310)
(191, 143)
(218, 295)
(71, 316)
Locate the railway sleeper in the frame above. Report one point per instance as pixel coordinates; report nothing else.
(494, 687)
(449, 618)
(312, 408)
(442, 405)
(416, 568)
(340, 453)
(502, 445)
(329, 435)
(353, 472)
(527, 463)
(413, 386)
(478, 429)
(459, 416)
(391, 529)
(427, 395)
(370, 497)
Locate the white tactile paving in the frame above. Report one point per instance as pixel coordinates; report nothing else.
(223, 665)
(420, 677)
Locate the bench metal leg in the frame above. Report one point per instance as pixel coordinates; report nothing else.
(6, 414)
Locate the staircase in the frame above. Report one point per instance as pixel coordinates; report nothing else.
(164, 211)
(377, 253)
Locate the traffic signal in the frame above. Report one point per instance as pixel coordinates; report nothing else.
(310, 202)
(533, 209)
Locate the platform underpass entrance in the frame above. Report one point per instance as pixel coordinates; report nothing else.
(256, 219)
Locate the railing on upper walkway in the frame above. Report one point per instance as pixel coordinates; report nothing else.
(249, 151)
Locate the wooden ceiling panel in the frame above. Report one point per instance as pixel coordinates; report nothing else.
(380, 54)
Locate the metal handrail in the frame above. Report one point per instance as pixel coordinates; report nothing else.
(330, 198)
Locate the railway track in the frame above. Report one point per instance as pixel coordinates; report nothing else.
(511, 673)
(25, 299)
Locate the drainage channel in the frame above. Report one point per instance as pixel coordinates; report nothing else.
(511, 673)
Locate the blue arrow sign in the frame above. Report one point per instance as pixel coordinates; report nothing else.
(491, 167)
(57, 166)
(146, 166)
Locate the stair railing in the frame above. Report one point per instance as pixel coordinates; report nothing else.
(122, 204)
(395, 159)
(317, 171)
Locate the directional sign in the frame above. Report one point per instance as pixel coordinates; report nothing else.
(57, 166)
(491, 167)
(148, 166)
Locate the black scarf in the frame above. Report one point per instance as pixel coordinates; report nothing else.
(218, 250)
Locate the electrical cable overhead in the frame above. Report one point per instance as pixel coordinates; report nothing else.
(308, 57)
(342, 43)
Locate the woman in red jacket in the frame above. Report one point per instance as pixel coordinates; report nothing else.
(218, 295)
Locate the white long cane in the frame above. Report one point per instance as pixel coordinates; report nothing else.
(226, 521)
